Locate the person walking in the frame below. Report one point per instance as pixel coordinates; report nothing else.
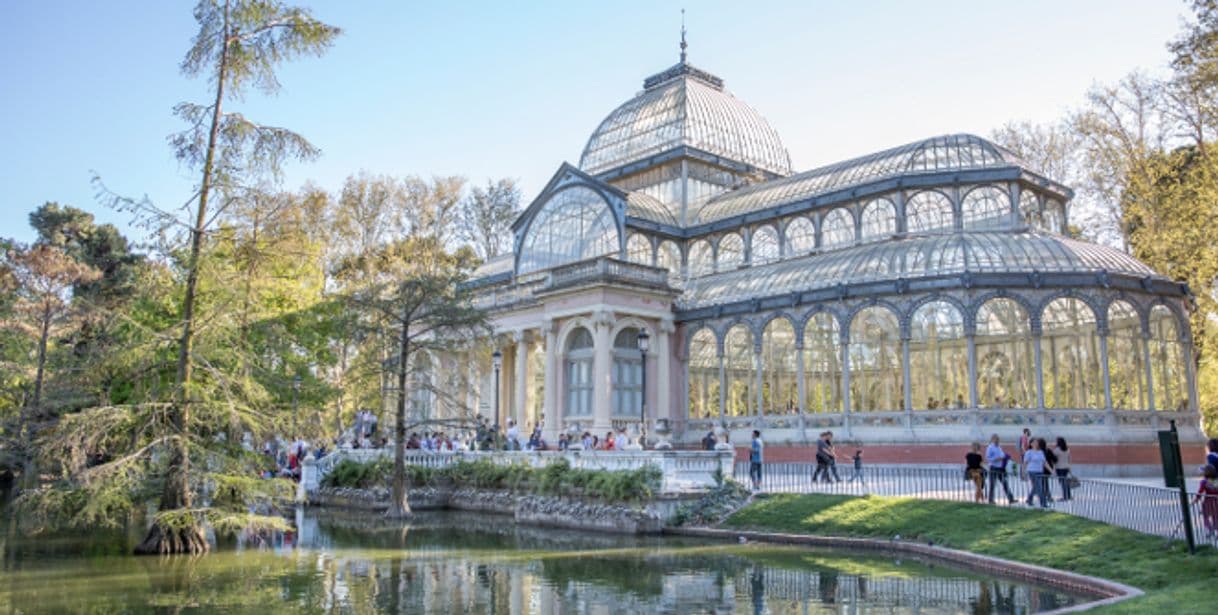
(756, 454)
(822, 458)
(832, 457)
(1034, 465)
(858, 467)
(1025, 443)
(973, 471)
(1050, 466)
(1062, 467)
(1207, 496)
(1211, 452)
(997, 460)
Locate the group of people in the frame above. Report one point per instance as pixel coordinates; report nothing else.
(284, 461)
(1038, 463)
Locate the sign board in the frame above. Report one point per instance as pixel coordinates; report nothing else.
(1169, 452)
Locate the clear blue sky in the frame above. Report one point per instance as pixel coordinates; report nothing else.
(512, 89)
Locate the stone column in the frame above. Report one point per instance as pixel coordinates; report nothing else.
(1110, 417)
(1190, 374)
(758, 380)
(602, 372)
(549, 402)
(801, 389)
(1150, 383)
(1040, 372)
(520, 394)
(722, 386)
(906, 384)
(662, 408)
(845, 349)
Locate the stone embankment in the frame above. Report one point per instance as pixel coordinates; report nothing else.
(646, 517)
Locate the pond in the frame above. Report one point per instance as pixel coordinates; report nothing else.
(465, 563)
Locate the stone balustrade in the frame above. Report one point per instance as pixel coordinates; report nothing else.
(683, 471)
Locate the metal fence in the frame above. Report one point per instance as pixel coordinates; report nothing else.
(1146, 509)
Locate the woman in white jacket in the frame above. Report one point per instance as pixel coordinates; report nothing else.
(1062, 467)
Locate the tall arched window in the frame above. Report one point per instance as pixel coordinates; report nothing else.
(764, 242)
(985, 207)
(822, 364)
(701, 258)
(1006, 361)
(1070, 355)
(668, 256)
(875, 360)
(741, 372)
(578, 372)
(1126, 359)
(574, 224)
(837, 228)
(779, 392)
(1167, 361)
(627, 374)
(1029, 208)
(703, 375)
(879, 219)
(928, 211)
(1054, 216)
(638, 249)
(801, 236)
(938, 357)
(422, 391)
(731, 252)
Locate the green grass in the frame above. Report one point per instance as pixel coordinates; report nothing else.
(1171, 578)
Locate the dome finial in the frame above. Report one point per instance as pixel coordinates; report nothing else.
(683, 45)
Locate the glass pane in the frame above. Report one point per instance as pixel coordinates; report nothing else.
(938, 358)
(574, 224)
(875, 361)
(928, 211)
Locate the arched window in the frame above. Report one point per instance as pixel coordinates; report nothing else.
(779, 391)
(764, 245)
(822, 364)
(701, 258)
(801, 236)
(938, 358)
(875, 361)
(703, 375)
(668, 256)
(578, 372)
(928, 211)
(422, 391)
(1006, 361)
(837, 228)
(879, 219)
(573, 225)
(1054, 217)
(741, 373)
(627, 374)
(1029, 208)
(1167, 361)
(985, 207)
(1126, 358)
(638, 249)
(1070, 356)
(731, 252)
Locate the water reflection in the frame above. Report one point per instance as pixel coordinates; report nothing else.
(460, 563)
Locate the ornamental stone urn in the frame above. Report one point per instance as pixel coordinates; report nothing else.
(663, 431)
(721, 435)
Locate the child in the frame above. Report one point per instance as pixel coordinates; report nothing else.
(1207, 494)
(858, 467)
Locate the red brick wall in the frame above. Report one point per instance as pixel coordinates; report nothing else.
(1084, 454)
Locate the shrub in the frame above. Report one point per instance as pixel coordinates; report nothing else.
(351, 473)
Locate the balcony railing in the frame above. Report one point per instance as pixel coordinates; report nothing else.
(602, 270)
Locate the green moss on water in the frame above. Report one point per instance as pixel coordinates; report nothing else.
(1171, 577)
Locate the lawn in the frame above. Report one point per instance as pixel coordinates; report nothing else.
(1172, 579)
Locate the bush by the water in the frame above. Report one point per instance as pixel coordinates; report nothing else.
(557, 478)
(713, 507)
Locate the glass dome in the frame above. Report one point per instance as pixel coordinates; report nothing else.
(684, 106)
(925, 256)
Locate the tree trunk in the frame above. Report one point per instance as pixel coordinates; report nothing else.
(31, 411)
(399, 506)
(176, 494)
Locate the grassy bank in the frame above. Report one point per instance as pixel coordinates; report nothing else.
(1170, 577)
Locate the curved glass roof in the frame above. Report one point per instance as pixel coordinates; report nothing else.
(574, 224)
(934, 155)
(909, 258)
(684, 106)
(642, 205)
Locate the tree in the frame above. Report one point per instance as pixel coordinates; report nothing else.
(427, 309)
(239, 45)
(43, 277)
(487, 215)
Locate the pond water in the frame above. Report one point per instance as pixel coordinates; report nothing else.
(464, 563)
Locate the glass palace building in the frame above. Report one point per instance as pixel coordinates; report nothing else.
(927, 293)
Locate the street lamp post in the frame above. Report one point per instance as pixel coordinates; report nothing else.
(644, 343)
(497, 362)
(295, 397)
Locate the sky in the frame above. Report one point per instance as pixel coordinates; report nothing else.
(487, 90)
